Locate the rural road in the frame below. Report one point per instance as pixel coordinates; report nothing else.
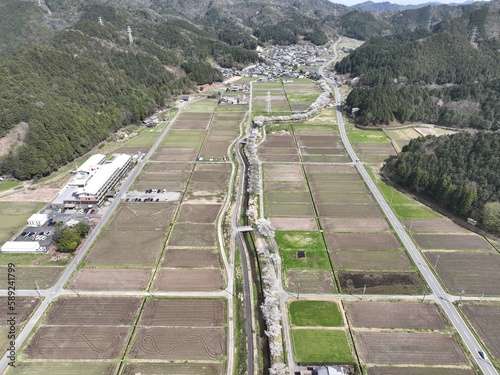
(443, 298)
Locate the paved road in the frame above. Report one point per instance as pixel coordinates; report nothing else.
(56, 290)
(443, 298)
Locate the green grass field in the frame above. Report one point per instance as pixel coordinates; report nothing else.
(358, 135)
(146, 138)
(321, 347)
(13, 216)
(315, 313)
(207, 105)
(300, 240)
(9, 184)
(314, 260)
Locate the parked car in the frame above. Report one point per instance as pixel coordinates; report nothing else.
(157, 199)
(126, 200)
(23, 234)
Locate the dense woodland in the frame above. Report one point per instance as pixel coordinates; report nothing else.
(86, 81)
(458, 171)
(437, 77)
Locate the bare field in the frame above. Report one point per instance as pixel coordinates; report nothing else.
(341, 158)
(348, 211)
(66, 368)
(218, 187)
(289, 210)
(474, 272)
(451, 242)
(340, 187)
(283, 172)
(310, 281)
(144, 216)
(372, 260)
(339, 168)
(285, 186)
(165, 368)
(381, 283)
(110, 279)
(287, 197)
(24, 307)
(52, 342)
(375, 241)
(405, 370)
(184, 312)
(169, 185)
(215, 149)
(126, 248)
(163, 167)
(193, 235)
(358, 199)
(26, 277)
(405, 315)
(189, 280)
(409, 348)
(179, 344)
(210, 175)
(434, 226)
(485, 319)
(292, 223)
(165, 176)
(354, 225)
(93, 311)
(184, 258)
(198, 213)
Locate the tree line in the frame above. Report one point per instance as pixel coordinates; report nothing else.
(458, 171)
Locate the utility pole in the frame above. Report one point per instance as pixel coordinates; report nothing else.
(100, 21)
(473, 35)
(298, 291)
(268, 103)
(74, 290)
(462, 292)
(37, 288)
(130, 39)
(364, 290)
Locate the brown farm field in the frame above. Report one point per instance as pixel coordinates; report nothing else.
(382, 283)
(93, 311)
(373, 260)
(184, 312)
(434, 226)
(485, 319)
(27, 277)
(310, 281)
(375, 241)
(405, 370)
(193, 235)
(187, 258)
(199, 213)
(179, 343)
(77, 342)
(111, 279)
(126, 248)
(354, 225)
(165, 368)
(405, 315)
(451, 242)
(289, 210)
(473, 272)
(349, 211)
(189, 280)
(292, 223)
(144, 216)
(62, 368)
(24, 307)
(409, 348)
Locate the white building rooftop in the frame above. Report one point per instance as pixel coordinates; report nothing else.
(92, 163)
(20, 247)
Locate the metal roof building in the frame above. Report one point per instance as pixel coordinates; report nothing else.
(21, 247)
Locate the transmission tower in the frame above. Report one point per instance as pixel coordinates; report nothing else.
(130, 39)
(268, 102)
(429, 24)
(473, 35)
(100, 21)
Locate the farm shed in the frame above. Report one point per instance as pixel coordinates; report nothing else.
(21, 247)
(37, 220)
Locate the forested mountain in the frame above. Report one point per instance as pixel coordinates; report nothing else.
(438, 77)
(458, 171)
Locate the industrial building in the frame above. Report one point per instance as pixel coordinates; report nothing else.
(37, 220)
(92, 181)
(21, 247)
